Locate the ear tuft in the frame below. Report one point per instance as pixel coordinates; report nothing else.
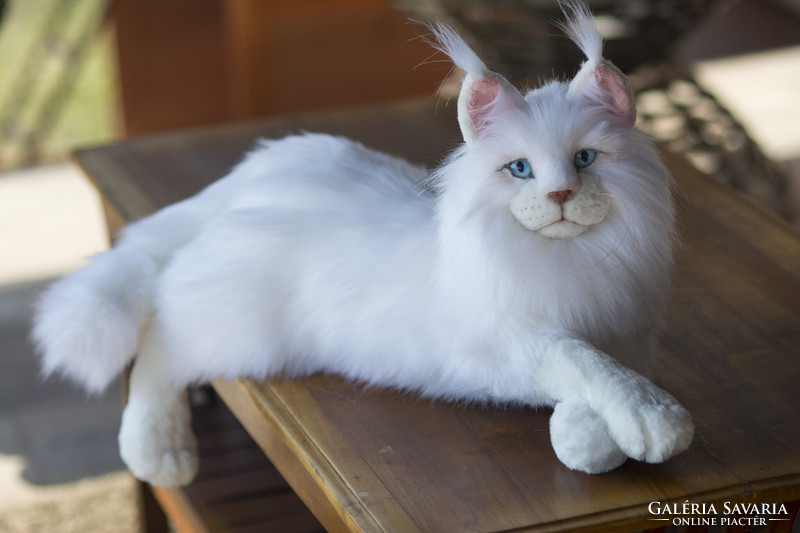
(598, 80)
(485, 96)
(580, 27)
(450, 43)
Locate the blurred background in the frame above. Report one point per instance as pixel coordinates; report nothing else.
(718, 82)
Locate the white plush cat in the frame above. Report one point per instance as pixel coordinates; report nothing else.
(546, 247)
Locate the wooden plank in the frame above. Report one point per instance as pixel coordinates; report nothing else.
(296, 464)
(237, 488)
(182, 512)
(749, 220)
(152, 518)
(235, 481)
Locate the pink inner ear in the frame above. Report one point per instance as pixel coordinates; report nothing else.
(483, 93)
(615, 91)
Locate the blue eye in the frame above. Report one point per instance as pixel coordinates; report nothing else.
(521, 168)
(584, 158)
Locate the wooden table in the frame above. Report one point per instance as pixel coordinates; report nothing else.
(376, 460)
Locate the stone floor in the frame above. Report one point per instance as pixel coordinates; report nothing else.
(59, 466)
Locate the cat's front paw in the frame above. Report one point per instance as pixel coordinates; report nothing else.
(581, 439)
(650, 425)
(158, 448)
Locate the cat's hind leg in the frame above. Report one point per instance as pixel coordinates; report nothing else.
(155, 438)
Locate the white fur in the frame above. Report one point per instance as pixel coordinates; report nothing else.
(581, 29)
(318, 255)
(572, 426)
(88, 323)
(155, 438)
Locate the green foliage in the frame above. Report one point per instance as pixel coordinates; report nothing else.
(36, 40)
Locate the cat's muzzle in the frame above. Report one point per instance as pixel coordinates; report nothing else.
(560, 214)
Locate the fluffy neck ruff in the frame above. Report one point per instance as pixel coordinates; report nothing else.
(607, 283)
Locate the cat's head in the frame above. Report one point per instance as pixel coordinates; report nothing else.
(557, 158)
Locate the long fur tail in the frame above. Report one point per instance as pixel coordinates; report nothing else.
(87, 324)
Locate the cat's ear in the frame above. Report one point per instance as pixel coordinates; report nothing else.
(483, 101)
(485, 96)
(598, 81)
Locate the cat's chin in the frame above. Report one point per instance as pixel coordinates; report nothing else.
(563, 229)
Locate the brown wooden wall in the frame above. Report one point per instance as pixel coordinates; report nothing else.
(185, 63)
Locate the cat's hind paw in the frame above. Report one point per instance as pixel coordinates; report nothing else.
(581, 439)
(158, 449)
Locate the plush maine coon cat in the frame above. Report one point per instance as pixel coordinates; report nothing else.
(535, 274)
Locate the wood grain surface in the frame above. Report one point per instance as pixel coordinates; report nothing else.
(376, 460)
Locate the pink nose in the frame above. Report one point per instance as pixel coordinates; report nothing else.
(559, 196)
